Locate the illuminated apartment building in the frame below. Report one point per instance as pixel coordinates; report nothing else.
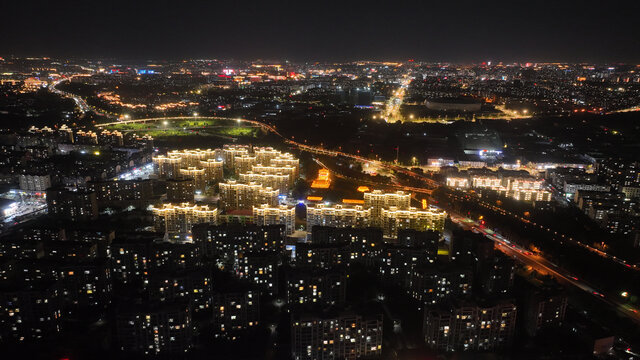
(276, 170)
(192, 157)
(180, 218)
(234, 195)
(275, 181)
(198, 176)
(167, 166)
(230, 152)
(213, 169)
(486, 182)
(114, 138)
(394, 219)
(264, 155)
(527, 195)
(243, 164)
(378, 200)
(523, 184)
(456, 182)
(286, 160)
(275, 215)
(338, 216)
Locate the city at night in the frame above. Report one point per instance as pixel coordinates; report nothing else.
(390, 180)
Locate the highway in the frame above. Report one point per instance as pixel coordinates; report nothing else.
(392, 108)
(80, 102)
(309, 148)
(563, 237)
(543, 265)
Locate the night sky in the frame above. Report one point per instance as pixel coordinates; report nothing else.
(447, 30)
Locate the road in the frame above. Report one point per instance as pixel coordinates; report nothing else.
(392, 108)
(545, 266)
(563, 237)
(304, 147)
(80, 102)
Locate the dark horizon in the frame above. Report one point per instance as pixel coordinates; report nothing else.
(575, 31)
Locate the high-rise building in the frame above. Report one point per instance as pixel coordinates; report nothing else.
(72, 205)
(316, 286)
(260, 268)
(152, 329)
(279, 182)
(32, 312)
(243, 164)
(192, 157)
(378, 200)
(394, 219)
(197, 174)
(345, 336)
(292, 171)
(122, 192)
(224, 242)
(176, 219)
(213, 169)
(168, 167)
(230, 152)
(435, 285)
(275, 215)
(338, 216)
(236, 308)
(265, 155)
(180, 190)
(470, 326)
(234, 195)
(35, 182)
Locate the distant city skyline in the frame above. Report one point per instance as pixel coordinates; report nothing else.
(465, 31)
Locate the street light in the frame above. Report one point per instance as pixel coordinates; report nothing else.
(624, 294)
